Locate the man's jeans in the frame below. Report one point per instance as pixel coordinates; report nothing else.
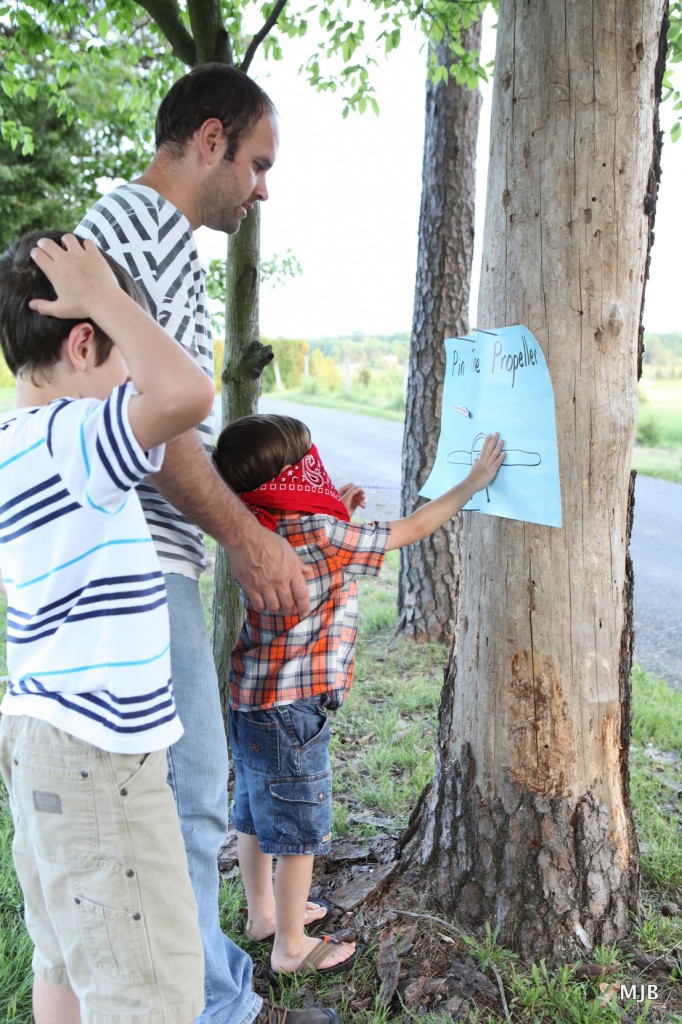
(198, 775)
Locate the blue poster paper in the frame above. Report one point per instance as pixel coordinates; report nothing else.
(498, 381)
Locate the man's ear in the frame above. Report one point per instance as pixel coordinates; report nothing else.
(211, 140)
(79, 346)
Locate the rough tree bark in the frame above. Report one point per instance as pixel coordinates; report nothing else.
(528, 823)
(427, 593)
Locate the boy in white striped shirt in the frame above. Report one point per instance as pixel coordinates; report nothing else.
(89, 709)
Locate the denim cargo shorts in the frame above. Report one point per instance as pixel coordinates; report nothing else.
(282, 776)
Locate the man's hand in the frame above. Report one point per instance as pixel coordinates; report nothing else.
(270, 572)
(267, 567)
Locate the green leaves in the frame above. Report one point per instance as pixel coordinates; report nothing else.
(346, 49)
(120, 40)
(673, 56)
(17, 135)
(88, 75)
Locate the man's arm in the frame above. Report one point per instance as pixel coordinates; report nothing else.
(267, 567)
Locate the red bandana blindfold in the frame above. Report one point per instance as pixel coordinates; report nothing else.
(305, 487)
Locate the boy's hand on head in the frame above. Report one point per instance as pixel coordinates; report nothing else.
(484, 469)
(352, 496)
(78, 273)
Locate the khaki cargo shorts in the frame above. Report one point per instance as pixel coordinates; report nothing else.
(102, 865)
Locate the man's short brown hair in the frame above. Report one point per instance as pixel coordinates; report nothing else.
(211, 90)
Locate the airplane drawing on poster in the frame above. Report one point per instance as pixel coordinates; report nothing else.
(498, 380)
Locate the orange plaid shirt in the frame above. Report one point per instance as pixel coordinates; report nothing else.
(278, 658)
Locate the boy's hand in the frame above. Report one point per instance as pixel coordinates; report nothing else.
(78, 273)
(352, 496)
(484, 469)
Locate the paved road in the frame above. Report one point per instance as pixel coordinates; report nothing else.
(656, 550)
(368, 451)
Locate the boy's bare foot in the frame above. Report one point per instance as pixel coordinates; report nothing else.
(317, 912)
(325, 955)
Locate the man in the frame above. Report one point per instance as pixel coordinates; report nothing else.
(216, 137)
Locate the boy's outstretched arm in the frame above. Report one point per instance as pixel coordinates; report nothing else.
(173, 393)
(429, 517)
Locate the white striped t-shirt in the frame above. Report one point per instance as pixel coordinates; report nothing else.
(149, 236)
(87, 620)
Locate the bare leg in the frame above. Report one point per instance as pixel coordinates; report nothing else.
(256, 869)
(54, 1004)
(293, 876)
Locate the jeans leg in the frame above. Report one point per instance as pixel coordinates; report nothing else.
(198, 770)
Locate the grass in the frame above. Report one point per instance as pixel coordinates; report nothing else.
(656, 781)
(16, 948)
(660, 404)
(658, 447)
(662, 462)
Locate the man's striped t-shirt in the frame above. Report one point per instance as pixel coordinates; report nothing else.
(87, 620)
(149, 236)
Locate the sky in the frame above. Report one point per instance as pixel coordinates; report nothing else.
(345, 196)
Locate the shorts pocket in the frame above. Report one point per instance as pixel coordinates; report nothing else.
(306, 747)
(254, 737)
(114, 940)
(57, 809)
(130, 770)
(310, 724)
(302, 809)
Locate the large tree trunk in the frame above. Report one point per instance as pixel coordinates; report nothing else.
(528, 823)
(245, 358)
(427, 594)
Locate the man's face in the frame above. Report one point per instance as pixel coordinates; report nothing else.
(233, 186)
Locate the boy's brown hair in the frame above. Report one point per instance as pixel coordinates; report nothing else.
(31, 341)
(254, 449)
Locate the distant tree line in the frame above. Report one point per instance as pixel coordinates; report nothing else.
(663, 355)
(373, 364)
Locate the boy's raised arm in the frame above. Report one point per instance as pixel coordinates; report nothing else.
(429, 517)
(173, 393)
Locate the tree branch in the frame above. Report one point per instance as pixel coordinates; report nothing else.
(260, 36)
(210, 35)
(166, 14)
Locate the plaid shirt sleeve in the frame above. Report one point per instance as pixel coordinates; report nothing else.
(360, 547)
